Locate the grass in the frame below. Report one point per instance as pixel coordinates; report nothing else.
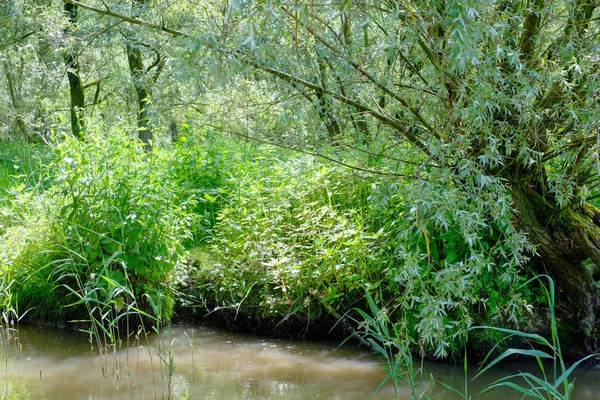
(399, 364)
(9, 319)
(555, 380)
(554, 383)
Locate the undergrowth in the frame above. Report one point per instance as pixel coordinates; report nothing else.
(104, 204)
(295, 235)
(269, 233)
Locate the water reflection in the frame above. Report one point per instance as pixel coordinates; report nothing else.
(62, 365)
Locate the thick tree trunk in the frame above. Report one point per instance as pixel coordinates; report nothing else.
(75, 84)
(144, 79)
(564, 239)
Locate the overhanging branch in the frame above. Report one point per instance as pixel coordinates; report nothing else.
(107, 11)
(337, 53)
(358, 106)
(310, 153)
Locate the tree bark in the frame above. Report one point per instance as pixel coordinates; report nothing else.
(143, 92)
(143, 80)
(76, 89)
(174, 131)
(327, 115)
(15, 98)
(564, 239)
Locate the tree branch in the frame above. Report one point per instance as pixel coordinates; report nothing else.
(93, 83)
(135, 21)
(366, 74)
(361, 107)
(531, 27)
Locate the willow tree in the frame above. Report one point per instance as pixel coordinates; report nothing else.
(492, 96)
(143, 78)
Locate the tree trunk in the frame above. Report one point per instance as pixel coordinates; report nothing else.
(564, 239)
(143, 91)
(174, 130)
(75, 84)
(143, 80)
(327, 115)
(15, 99)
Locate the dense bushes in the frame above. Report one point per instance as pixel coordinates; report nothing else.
(110, 217)
(271, 234)
(304, 237)
(200, 165)
(290, 237)
(453, 261)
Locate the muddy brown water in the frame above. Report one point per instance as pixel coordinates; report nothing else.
(56, 364)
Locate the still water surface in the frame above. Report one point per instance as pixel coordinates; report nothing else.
(55, 364)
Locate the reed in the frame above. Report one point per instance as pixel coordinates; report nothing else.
(167, 357)
(191, 344)
(110, 302)
(555, 382)
(399, 364)
(10, 346)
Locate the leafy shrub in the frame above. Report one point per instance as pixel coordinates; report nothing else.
(110, 205)
(21, 165)
(200, 165)
(300, 236)
(290, 238)
(453, 256)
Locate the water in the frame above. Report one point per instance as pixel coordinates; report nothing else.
(55, 364)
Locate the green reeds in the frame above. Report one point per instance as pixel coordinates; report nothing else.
(167, 357)
(191, 344)
(9, 322)
(555, 382)
(399, 364)
(110, 302)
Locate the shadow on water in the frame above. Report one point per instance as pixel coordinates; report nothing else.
(56, 364)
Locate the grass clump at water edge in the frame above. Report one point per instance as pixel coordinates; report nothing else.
(553, 382)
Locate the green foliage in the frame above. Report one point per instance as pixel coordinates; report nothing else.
(201, 166)
(554, 383)
(116, 199)
(108, 202)
(298, 235)
(278, 232)
(291, 236)
(454, 259)
(21, 165)
(478, 102)
(459, 106)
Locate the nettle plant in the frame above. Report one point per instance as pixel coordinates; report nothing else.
(111, 209)
(115, 199)
(292, 238)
